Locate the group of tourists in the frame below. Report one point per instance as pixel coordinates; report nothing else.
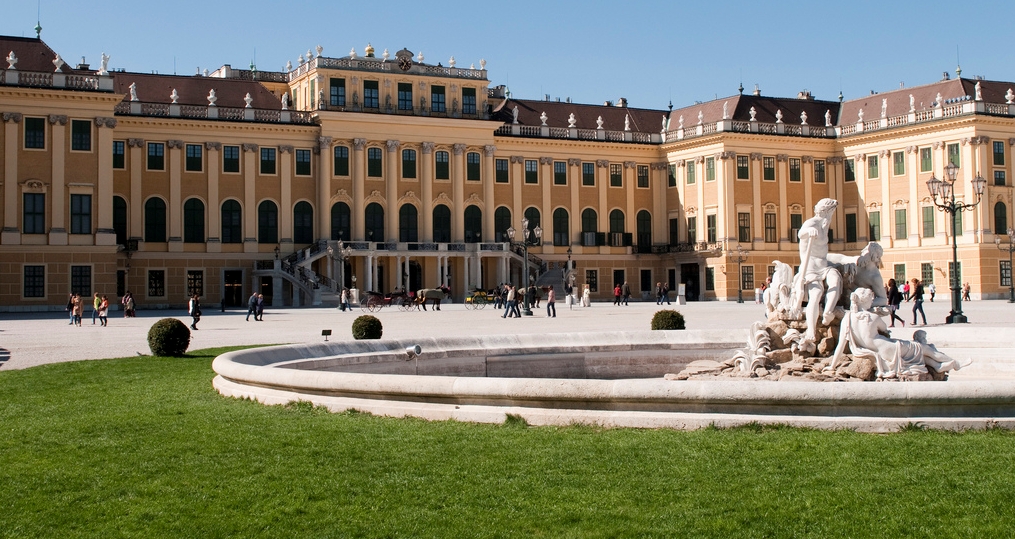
(76, 309)
(914, 292)
(255, 306)
(507, 295)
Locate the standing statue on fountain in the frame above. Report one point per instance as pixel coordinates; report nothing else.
(816, 280)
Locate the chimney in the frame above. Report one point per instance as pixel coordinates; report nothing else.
(757, 91)
(622, 102)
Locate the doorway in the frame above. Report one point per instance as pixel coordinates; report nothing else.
(233, 293)
(689, 276)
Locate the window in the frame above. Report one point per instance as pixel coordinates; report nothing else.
(231, 159)
(35, 282)
(375, 163)
(119, 148)
(371, 96)
(341, 161)
(743, 227)
(616, 175)
(689, 165)
(81, 214)
(474, 224)
(927, 273)
(768, 169)
(561, 235)
(589, 174)
(900, 273)
(501, 222)
(559, 173)
(850, 170)
(796, 220)
(232, 229)
(442, 224)
(267, 222)
(156, 156)
(746, 277)
(502, 170)
(928, 221)
(120, 220)
(303, 223)
(156, 283)
(193, 221)
(710, 169)
(374, 221)
(194, 161)
(872, 167)
(617, 221)
(81, 136)
(743, 167)
(926, 160)
(898, 163)
(81, 280)
(794, 170)
(710, 228)
(155, 220)
(1005, 269)
(472, 166)
(437, 103)
(302, 162)
(405, 96)
(850, 228)
(267, 160)
(819, 171)
(875, 225)
(341, 219)
(643, 176)
(999, 178)
(771, 220)
(674, 231)
(468, 100)
(953, 155)
(671, 177)
(531, 171)
(709, 278)
(195, 282)
(442, 170)
(692, 229)
(34, 213)
(337, 92)
(1000, 218)
(900, 225)
(35, 133)
(998, 153)
(408, 163)
(408, 223)
(592, 279)
(590, 220)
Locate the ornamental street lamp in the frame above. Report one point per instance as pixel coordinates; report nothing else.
(946, 191)
(741, 258)
(536, 233)
(341, 254)
(1011, 249)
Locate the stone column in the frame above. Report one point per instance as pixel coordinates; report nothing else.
(489, 176)
(104, 233)
(458, 193)
(59, 206)
(359, 174)
(250, 172)
(11, 232)
(174, 162)
(426, 192)
(215, 207)
(391, 190)
(324, 189)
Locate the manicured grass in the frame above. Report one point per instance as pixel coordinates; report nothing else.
(144, 447)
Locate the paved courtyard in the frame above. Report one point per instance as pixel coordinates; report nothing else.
(31, 339)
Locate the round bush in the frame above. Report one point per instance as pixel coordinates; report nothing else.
(168, 337)
(367, 327)
(668, 319)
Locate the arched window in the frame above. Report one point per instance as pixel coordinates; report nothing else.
(303, 223)
(617, 221)
(120, 220)
(561, 235)
(408, 223)
(644, 223)
(473, 224)
(267, 222)
(441, 224)
(532, 215)
(232, 220)
(501, 222)
(155, 220)
(193, 221)
(374, 222)
(341, 219)
(590, 221)
(1000, 218)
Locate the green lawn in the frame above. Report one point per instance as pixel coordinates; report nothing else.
(144, 447)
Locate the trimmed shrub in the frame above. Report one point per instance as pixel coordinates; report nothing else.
(668, 319)
(168, 337)
(367, 327)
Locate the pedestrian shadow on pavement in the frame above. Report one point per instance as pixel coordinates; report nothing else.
(5, 354)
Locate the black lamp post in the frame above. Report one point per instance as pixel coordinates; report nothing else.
(343, 254)
(1011, 249)
(276, 252)
(945, 190)
(536, 233)
(741, 258)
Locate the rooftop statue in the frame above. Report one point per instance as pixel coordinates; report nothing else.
(514, 115)
(803, 118)
(884, 107)
(543, 118)
(725, 110)
(828, 118)
(174, 96)
(285, 101)
(133, 92)
(104, 65)
(979, 95)
(627, 122)
(912, 103)
(212, 98)
(599, 122)
(571, 121)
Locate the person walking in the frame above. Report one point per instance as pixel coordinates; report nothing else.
(659, 293)
(666, 293)
(932, 290)
(252, 306)
(104, 311)
(906, 290)
(259, 308)
(129, 305)
(70, 309)
(965, 292)
(195, 311)
(96, 301)
(344, 300)
(79, 310)
(894, 300)
(918, 301)
(551, 303)
(616, 294)
(626, 290)
(509, 297)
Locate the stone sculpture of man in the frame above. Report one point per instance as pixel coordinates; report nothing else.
(863, 271)
(816, 279)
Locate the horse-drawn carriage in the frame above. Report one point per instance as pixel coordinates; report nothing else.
(374, 301)
(478, 300)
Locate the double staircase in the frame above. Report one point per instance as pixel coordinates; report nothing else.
(296, 268)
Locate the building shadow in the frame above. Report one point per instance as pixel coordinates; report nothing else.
(5, 355)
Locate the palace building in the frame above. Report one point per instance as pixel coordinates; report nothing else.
(381, 172)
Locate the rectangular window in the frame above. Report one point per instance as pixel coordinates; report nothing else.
(710, 169)
(337, 92)
(709, 278)
(674, 231)
(592, 279)
(34, 213)
(671, 179)
(711, 232)
(502, 170)
(771, 235)
(872, 167)
(81, 135)
(81, 214)
(472, 167)
(408, 163)
(692, 229)
(589, 174)
(156, 283)
(850, 228)
(819, 171)
(768, 169)
(194, 158)
(1005, 273)
(468, 100)
(81, 281)
(559, 173)
(119, 148)
(616, 175)
(442, 170)
(341, 160)
(302, 162)
(35, 133)
(898, 163)
(999, 178)
(746, 277)
(371, 95)
(900, 273)
(928, 221)
(875, 225)
(796, 220)
(953, 155)
(230, 159)
(195, 282)
(926, 160)
(998, 153)
(35, 282)
(743, 227)
(743, 167)
(689, 165)
(900, 225)
(849, 167)
(405, 96)
(643, 176)
(794, 170)
(531, 171)
(267, 160)
(156, 156)
(437, 103)
(927, 273)
(375, 163)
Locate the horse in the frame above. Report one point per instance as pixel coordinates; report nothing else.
(433, 294)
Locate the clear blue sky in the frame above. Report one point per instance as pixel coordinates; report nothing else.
(648, 52)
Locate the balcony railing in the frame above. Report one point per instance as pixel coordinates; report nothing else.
(235, 114)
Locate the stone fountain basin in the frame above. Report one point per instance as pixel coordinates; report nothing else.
(605, 379)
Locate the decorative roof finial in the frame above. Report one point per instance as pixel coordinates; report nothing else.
(12, 60)
(38, 30)
(58, 62)
(319, 50)
(212, 98)
(248, 100)
(352, 54)
(369, 51)
(419, 57)
(840, 96)
(803, 118)
(571, 120)
(386, 55)
(599, 122)
(288, 65)
(543, 118)
(741, 88)
(778, 116)
(482, 63)
(174, 96)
